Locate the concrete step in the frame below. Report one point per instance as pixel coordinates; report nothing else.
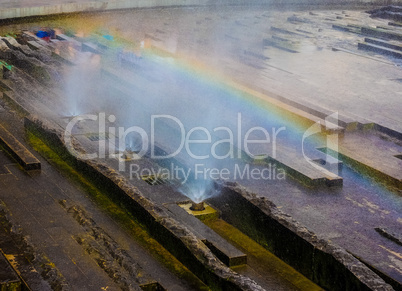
(19, 152)
(286, 31)
(34, 45)
(328, 162)
(346, 28)
(33, 37)
(71, 40)
(395, 24)
(279, 45)
(377, 162)
(379, 49)
(300, 169)
(384, 44)
(382, 33)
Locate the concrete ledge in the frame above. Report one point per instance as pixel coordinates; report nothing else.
(327, 265)
(346, 28)
(395, 24)
(388, 131)
(305, 170)
(397, 238)
(20, 153)
(302, 171)
(382, 33)
(177, 239)
(379, 49)
(379, 166)
(395, 284)
(383, 43)
(282, 45)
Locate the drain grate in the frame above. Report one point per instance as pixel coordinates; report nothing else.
(97, 136)
(153, 180)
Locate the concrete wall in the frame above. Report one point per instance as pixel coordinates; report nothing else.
(19, 9)
(326, 264)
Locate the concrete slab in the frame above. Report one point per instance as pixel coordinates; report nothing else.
(20, 153)
(383, 43)
(299, 168)
(378, 156)
(220, 247)
(379, 49)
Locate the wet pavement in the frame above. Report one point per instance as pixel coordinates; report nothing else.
(34, 200)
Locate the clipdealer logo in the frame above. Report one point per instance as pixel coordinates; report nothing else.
(236, 143)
